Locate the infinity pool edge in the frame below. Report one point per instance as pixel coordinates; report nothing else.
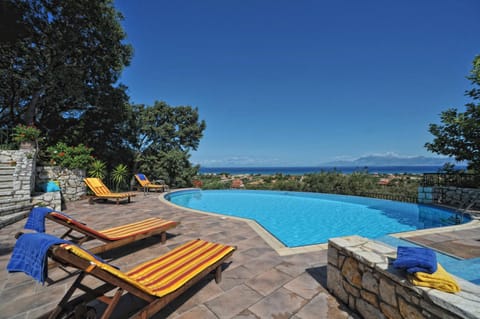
(283, 250)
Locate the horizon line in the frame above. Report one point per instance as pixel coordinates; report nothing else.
(327, 165)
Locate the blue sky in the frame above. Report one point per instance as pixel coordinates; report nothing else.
(300, 83)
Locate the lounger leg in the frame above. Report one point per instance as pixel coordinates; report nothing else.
(60, 307)
(218, 274)
(90, 294)
(111, 302)
(163, 237)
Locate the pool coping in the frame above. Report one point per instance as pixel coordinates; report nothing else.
(283, 250)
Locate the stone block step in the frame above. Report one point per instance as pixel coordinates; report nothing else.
(7, 165)
(6, 194)
(7, 172)
(13, 218)
(11, 201)
(6, 184)
(14, 208)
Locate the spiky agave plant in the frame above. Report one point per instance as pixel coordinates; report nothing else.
(119, 175)
(97, 169)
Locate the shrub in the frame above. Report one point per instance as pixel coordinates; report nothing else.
(70, 156)
(25, 133)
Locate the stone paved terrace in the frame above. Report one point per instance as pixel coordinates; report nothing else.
(258, 283)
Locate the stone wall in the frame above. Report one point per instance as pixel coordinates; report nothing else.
(359, 273)
(71, 181)
(50, 199)
(451, 196)
(23, 160)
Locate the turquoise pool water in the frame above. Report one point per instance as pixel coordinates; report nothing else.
(299, 219)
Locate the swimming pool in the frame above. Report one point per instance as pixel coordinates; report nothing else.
(300, 219)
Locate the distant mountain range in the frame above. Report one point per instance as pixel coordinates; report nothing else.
(393, 160)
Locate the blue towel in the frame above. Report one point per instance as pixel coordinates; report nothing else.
(415, 259)
(36, 219)
(30, 254)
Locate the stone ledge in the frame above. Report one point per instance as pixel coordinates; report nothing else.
(13, 218)
(360, 274)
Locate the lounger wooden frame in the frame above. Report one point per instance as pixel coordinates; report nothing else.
(111, 282)
(111, 243)
(103, 192)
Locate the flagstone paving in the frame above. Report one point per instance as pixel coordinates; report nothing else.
(256, 282)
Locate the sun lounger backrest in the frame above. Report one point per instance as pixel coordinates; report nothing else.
(97, 186)
(94, 262)
(77, 224)
(118, 232)
(142, 179)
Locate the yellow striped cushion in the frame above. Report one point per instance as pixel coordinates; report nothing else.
(95, 182)
(154, 186)
(169, 272)
(139, 227)
(114, 195)
(100, 190)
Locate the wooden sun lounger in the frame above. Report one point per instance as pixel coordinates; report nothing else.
(147, 185)
(158, 281)
(102, 192)
(113, 237)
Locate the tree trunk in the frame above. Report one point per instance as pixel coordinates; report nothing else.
(32, 107)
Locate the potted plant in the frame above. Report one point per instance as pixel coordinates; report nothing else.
(25, 135)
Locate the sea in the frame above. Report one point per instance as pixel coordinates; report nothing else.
(318, 169)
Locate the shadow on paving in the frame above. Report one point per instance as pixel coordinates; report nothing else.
(319, 274)
(130, 304)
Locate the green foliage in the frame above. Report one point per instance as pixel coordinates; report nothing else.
(164, 137)
(174, 167)
(25, 133)
(119, 175)
(70, 156)
(212, 182)
(459, 133)
(61, 68)
(400, 187)
(97, 169)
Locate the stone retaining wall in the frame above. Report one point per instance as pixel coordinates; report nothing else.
(451, 196)
(71, 181)
(359, 273)
(50, 199)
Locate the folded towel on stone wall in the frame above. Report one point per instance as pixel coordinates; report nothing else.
(414, 259)
(440, 280)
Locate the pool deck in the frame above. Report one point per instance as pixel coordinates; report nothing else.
(463, 244)
(259, 282)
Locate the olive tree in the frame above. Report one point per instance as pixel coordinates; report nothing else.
(459, 134)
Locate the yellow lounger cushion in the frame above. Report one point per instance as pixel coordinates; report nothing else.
(166, 273)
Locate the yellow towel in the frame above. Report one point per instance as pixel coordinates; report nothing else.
(440, 280)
